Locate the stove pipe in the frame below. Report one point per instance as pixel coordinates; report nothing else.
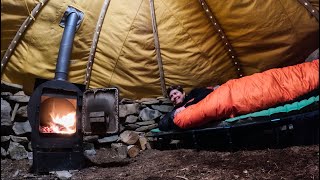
(66, 43)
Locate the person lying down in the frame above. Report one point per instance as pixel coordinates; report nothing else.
(239, 96)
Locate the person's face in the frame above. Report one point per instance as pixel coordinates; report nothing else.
(176, 97)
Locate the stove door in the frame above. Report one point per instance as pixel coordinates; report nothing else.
(100, 111)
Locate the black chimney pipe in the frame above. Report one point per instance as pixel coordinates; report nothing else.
(66, 47)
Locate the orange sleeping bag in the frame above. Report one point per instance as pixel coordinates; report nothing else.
(252, 93)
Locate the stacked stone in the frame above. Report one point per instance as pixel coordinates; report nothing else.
(143, 115)
(136, 117)
(15, 127)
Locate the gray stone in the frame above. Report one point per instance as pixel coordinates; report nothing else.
(145, 123)
(5, 138)
(162, 108)
(5, 113)
(3, 152)
(109, 139)
(30, 146)
(22, 111)
(88, 146)
(149, 114)
(91, 138)
(165, 100)
(21, 140)
(131, 126)
(4, 94)
(20, 97)
(63, 175)
(30, 158)
(149, 101)
(131, 119)
(120, 149)
(126, 101)
(147, 128)
(21, 127)
(17, 151)
(90, 152)
(121, 128)
(128, 109)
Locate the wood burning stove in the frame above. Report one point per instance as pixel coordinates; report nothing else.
(54, 112)
(61, 112)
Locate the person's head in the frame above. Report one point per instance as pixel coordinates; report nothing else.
(176, 94)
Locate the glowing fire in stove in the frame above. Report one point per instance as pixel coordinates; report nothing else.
(58, 116)
(63, 124)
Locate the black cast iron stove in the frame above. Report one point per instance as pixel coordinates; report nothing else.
(54, 112)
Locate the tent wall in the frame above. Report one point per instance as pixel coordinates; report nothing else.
(264, 34)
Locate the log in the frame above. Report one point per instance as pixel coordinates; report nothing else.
(143, 142)
(129, 137)
(133, 151)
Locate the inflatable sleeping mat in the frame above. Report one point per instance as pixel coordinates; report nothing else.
(294, 123)
(252, 93)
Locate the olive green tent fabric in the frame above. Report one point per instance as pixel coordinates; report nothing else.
(264, 34)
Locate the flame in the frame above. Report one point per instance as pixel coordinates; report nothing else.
(63, 124)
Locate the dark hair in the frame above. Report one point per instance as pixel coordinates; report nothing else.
(177, 87)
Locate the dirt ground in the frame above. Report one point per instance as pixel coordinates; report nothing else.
(297, 162)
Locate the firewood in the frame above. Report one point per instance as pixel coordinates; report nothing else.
(129, 137)
(144, 144)
(133, 151)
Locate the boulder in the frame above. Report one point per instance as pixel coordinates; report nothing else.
(149, 114)
(17, 151)
(5, 113)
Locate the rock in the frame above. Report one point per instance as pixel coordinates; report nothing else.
(17, 151)
(121, 128)
(149, 114)
(16, 173)
(145, 123)
(14, 112)
(21, 140)
(30, 158)
(20, 97)
(162, 108)
(131, 126)
(21, 127)
(3, 152)
(6, 94)
(131, 119)
(148, 101)
(109, 139)
(128, 109)
(22, 111)
(121, 149)
(126, 101)
(88, 146)
(5, 113)
(147, 128)
(91, 138)
(89, 152)
(30, 146)
(63, 175)
(129, 137)
(5, 138)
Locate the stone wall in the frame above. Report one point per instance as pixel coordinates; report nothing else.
(137, 118)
